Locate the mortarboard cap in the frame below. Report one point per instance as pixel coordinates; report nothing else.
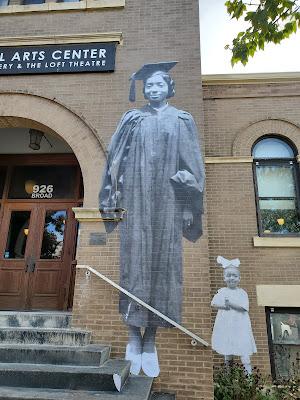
(146, 71)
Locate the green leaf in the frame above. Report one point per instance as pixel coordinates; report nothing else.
(270, 21)
(261, 43)
(235, 8)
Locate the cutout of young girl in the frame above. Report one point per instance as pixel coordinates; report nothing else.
(232, 333)
(155, 172)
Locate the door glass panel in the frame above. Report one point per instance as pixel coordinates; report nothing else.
(17, 235)
(40, 182)
(2, 180)
(53, 236)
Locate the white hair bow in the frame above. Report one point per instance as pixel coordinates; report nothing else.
(228, 263)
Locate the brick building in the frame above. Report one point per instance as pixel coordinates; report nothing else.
(55, 129)
(246, 215)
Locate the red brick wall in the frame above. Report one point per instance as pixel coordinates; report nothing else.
(235, 116)
(185, 370)
(153, 31)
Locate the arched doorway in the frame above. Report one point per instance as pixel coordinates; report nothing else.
(38, 189)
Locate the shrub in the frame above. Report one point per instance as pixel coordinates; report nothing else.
(287, 389)
(233, 384)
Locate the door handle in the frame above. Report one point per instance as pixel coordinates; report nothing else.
(30, 265)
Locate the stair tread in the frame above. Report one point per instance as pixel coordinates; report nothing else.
(109, 367)
(89, 347)
(50, 336)
(89, 354)
(42, 329)
(26, 313)
(137, 388)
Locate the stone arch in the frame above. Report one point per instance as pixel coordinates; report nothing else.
(27, 110)
(245, 139)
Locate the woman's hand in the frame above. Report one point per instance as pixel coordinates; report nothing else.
(187, 218)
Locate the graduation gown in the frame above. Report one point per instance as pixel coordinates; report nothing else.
(154, 171)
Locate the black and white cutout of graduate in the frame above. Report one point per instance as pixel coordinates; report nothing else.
(154, 171)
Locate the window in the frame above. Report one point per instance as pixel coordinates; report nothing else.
(2, 180)
(43, 182)
(284, 341)
(26, 2)
(17, 236)
(275, 175)
(3, 3)
(53, 236)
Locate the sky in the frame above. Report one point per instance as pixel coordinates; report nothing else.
(217, 30)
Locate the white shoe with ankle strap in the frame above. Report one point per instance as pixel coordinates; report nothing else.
(135, 358)
(150, 364)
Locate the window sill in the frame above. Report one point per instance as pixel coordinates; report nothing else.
(46, 7)
(278, 295)
(87, 214)
(276, 241)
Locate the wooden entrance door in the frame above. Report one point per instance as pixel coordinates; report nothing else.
(38, 230)
(37, 248)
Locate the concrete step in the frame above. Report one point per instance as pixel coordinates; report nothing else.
(136, 388)
(64, 377)
(50, 336)
(162, 396)
(90, 355)
(38, 319)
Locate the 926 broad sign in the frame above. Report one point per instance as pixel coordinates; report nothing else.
(72, 58)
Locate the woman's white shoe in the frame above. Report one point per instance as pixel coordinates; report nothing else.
(150, 364)
(135, 358)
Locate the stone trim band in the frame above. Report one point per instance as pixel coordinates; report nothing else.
(233, 160)
(104, 37)
(46, 7)
(228, 160)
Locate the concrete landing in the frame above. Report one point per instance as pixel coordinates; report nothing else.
(37, 319)
(162, 396)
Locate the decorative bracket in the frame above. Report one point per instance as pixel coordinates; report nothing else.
(96, 215)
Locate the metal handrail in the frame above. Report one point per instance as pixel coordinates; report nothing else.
(195, 338)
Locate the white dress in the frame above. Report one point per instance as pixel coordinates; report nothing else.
(232, 333)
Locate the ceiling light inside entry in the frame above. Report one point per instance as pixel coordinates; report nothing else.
(35, 138)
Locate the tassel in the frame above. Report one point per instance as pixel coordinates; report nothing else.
(132, 89)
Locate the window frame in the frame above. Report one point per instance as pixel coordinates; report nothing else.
(276, 162)
(277, 310)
